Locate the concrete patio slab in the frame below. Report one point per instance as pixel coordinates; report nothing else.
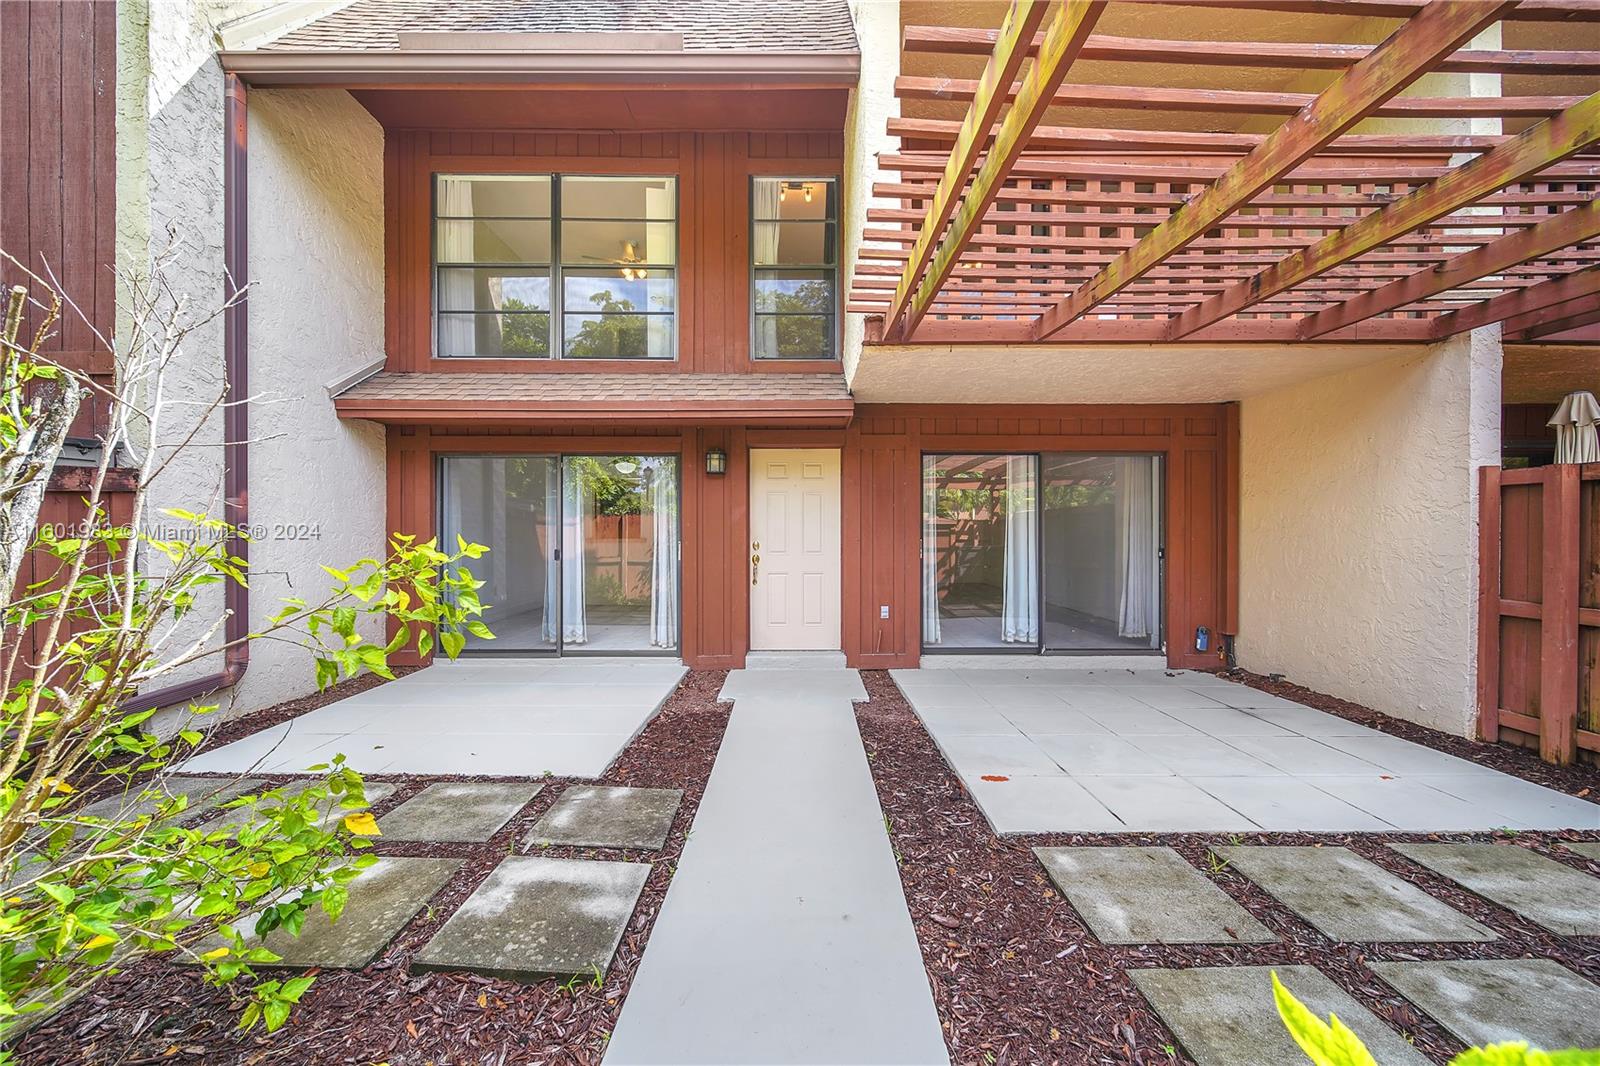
(1009, 756)
(534, 918)
(1158, 804)
(1148, 896)
(603, 816)
(1289, 805)
(1055, 721)
(458, 811)
(1492, 1001)
(785, 936)
(1540, 889)
(383, 899)
(1192, 756)
(1587, 850)
(496, 717)
(830, 684)
(1094, 756)
(1347, 898)
(1225, 1016)
(1042, 805)
(1412, 805)
(202, 791)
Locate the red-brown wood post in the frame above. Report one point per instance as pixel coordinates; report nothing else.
(1489, 603)
(1558, 682)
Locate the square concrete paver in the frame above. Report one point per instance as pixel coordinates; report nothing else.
(1587, 850)
(534, 918)
(203, 792)
(1350, 899)
(383, 899)
(606, 816)
(1540, 889)
(374, 791)
(458, 811)
(1226, 1015)
(1148, 896)
(1492, 1001)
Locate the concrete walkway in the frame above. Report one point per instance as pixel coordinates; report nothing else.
(784, 937)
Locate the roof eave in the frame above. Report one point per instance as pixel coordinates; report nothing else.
(324, 67)
(831, 413)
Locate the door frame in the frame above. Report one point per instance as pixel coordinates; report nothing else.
(784, 445)
(1039, 646)
(560, 648)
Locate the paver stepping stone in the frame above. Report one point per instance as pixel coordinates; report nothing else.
(383, 899)
(1148, 896)
(1588, 851)
(458, 811)
(1542, 890)
(534, 917)
(1226, 1015)
(605, 816)
(1490, 1001)
(203, 792)
(1348, 898)
(375, 791)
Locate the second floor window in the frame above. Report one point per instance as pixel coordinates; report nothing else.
(530, 266)
(793, 241)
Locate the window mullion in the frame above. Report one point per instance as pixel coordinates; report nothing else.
(558, 285)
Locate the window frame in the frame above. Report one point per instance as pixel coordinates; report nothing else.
(557, 270)
(751, 269)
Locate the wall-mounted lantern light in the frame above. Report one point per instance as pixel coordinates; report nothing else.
(716, 462)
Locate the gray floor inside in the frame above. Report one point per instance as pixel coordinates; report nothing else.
(785, 936)
(1044, 747)
(504, 717)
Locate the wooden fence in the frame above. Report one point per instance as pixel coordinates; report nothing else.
(1539, 610)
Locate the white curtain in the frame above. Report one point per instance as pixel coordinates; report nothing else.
(1019, 606)
(1137, 518)
(930, 552)
(552, 568)
(574, 520)
(663, 503)
(1577, 440)
(768, 195)
(456, 333)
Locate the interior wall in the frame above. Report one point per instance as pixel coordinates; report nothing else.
(1358, 530)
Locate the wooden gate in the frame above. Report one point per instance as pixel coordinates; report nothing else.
(1539, 610)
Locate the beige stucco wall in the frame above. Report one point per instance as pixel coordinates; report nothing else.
(316, 306)
(1358, 529)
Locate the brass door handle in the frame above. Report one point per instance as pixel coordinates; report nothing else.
(755, 568)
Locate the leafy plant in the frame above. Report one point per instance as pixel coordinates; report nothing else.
(98, 863)
(1332, 1043)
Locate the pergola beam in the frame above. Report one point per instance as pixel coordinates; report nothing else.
(1021, 22)
(1530, 152)
(1559, 231)
(1576, 285)
(1559, 319)
(1073, 22)
(1436, 31)
(961, 40)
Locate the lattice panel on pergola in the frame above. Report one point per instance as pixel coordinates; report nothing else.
(1013, 230)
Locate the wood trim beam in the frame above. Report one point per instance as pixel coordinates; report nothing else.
(1404, 57)
(1242, 101)
(961, 40)
(1021, 22)
(1561, 316)
(1071, 26)
(1567, 228)
(1530, 152)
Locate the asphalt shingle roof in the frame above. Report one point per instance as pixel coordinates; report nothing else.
(598, 388)
(707, 25)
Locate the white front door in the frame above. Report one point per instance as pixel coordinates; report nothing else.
(794, 549)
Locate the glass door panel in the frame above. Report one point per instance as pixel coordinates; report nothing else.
(980, 552)
(1101, 540)
(505, 503)
(619, 532)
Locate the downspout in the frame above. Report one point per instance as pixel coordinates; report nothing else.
(236, 411)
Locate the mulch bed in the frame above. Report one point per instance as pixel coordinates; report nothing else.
(1581, 780)
(158, 1012)
(1018, 978)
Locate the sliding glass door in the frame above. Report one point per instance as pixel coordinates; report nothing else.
(583, 549)
(1059, 552)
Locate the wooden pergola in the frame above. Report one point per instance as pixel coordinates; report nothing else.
(1008, 230)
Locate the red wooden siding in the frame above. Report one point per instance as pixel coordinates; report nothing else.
(713, 171)
(1539, 610)
(881, 508)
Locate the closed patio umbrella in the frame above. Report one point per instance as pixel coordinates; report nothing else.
(1577, 440)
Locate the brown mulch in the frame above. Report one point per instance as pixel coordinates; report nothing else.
(1581, 780)
(159, 1012)
(1018, 978)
